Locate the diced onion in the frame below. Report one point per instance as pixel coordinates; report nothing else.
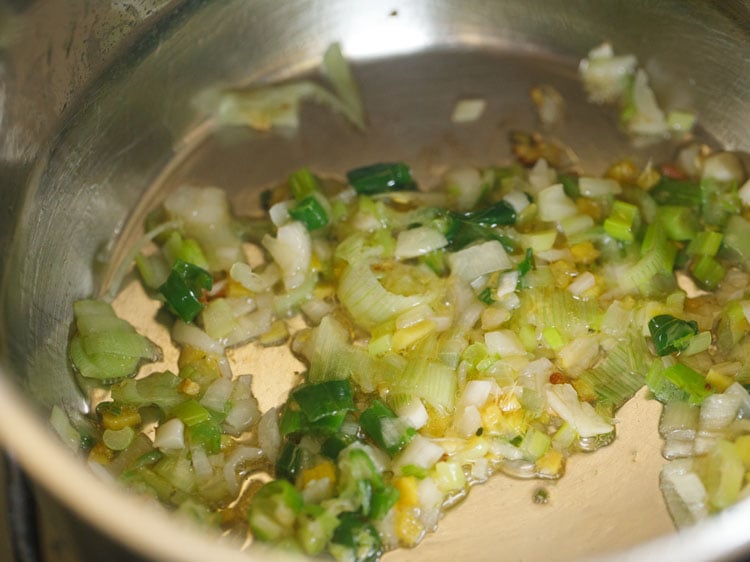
(464, 185)
(563, 399)
(419, 452)
(468, 110)
(190, 334)
(205, 215)
(217, 395)
(478, 260)
(554, 205)
(292, 251)
(170, 435)
(239, 456)
(413, 413)
(418, 242)
(582, 283)
(505, 343)
(598, 187)
(269, 437)
(723, 167)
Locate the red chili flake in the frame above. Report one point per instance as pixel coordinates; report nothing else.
(558, 378)
(673, 172)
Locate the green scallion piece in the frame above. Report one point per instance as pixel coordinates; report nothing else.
(310, 212)
(186, 249)
(334, 444)
(289, 462)
(381, 178)
(670, 334)
(526, 265)
(720, 201)
(303, 184)
(206, 434)
(184, 287)
(670, 191)
(706, 243)
(274, 510)
(570, 185)
(320, 400)
(148, 459)
(382, 501)
(314, 528)
(118, 439)
(358, 478)
(291, 422)
(355, 540)
(485, 296)
(680, 223)
(415, 470)
(689, 380)
(707, 272)
(501, 213)
(737, 239)
(461, 232)
(385, 428)
(622, 222)
(191, 413)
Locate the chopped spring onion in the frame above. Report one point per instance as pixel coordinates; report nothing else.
(184, 288)
(274, 510)
(106, 347)
(310, 212)
(381, 178)
(494, 323)
(670, 334)
(385, 428)
(317, 401)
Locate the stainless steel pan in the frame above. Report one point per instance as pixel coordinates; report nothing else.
(97, 122)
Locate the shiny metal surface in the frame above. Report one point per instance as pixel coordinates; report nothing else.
(97, 122)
